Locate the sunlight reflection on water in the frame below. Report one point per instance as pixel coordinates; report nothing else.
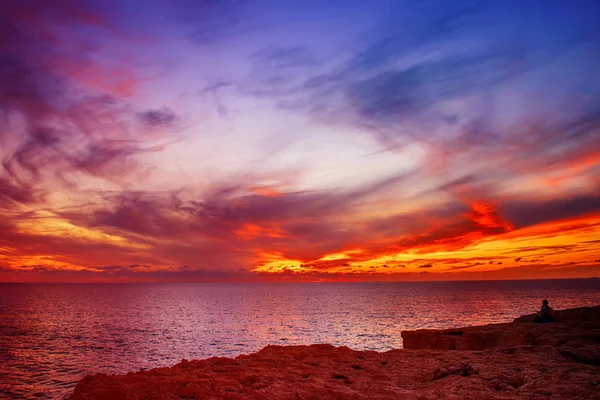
(51, 335)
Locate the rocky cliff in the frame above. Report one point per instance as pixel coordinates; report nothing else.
(503, 361)
(575, 331)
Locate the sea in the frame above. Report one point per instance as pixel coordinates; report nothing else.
(52, 335)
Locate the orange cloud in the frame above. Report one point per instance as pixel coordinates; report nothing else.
(266, 190)
(249, 231)
(486, 215)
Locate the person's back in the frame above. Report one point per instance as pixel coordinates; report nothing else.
(546, 313)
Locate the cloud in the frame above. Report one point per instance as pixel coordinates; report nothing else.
(435, 81)
(157, 118)
(13, 191)
(228, 227)
(529, 212)
(275, 68)
(477, 167)
(125, 273)
(284, 57)
(209, 22)
(53, 122)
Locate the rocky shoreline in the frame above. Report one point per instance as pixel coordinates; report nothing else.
(519, 360)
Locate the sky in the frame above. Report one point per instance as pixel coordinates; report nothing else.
(289, 140)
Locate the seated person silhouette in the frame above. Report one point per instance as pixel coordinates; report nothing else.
(545, 315)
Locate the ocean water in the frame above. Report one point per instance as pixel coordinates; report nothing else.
(51, 335)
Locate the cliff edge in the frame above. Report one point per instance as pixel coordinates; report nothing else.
(574, 328)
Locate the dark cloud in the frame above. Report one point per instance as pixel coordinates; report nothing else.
(522, 213)
(554, 249)
(426, 266)
(13, 191)
(476, 264)
(157, 118)
(459, 267)
(393, 96)
(385, 95)
(137, 272)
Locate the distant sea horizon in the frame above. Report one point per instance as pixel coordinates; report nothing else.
(53, 334)
(275, 282)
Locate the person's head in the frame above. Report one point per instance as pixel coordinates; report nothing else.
(545, 302)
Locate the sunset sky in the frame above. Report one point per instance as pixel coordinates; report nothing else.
(302, 140)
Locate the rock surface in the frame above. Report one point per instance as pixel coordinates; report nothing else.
(576, 325)
(530, 361)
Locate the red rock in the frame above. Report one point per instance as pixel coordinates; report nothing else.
(578, 324)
